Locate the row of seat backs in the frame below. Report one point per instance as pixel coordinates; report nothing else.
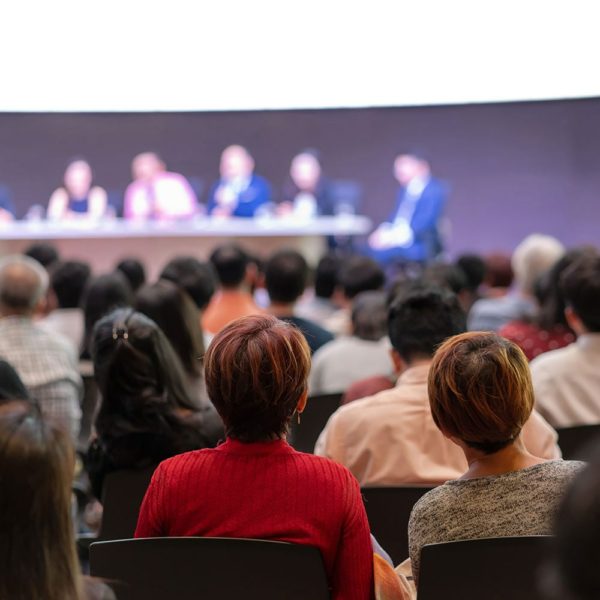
(228, 569)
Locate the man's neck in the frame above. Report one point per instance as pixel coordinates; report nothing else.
(281, 309)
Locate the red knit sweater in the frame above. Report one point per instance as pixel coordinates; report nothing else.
(266, 491)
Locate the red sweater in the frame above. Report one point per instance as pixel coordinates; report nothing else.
(266, 491)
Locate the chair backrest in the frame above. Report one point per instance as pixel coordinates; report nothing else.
(194, 568)
(574, 439)
(303, 437)
(122, 495)
(388, 510)
(490, 568)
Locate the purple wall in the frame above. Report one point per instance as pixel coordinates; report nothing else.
(513, 168)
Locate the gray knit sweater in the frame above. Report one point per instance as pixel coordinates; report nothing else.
(512, 504)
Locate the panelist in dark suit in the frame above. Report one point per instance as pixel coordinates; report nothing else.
(239, 192)
(412, 232)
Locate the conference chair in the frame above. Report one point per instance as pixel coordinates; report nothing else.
(572, 440)
(304, 436)
(388, 510)
(490, 568)
(192, 568)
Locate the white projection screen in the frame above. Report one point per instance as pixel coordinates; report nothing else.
(180, 55)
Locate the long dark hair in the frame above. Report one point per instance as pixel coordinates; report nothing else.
(139, 376)
(176, 314)
(37, 551)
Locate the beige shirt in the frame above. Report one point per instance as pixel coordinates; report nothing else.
(390, 438)
(566, 383)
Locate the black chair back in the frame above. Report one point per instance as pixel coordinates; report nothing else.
(388, 510)
(312, 421)
(209, 568)
(490, 568)
(572, 440)
(122, 495)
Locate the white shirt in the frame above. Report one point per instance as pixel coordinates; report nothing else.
(566, 383)
(69, 322)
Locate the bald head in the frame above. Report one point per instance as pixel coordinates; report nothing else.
(23, 284)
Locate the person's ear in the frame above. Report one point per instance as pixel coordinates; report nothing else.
(399, 363)
(574, 322)
(302, 402)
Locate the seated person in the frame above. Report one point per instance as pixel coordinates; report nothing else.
(156, 193)
(239, 192)
(307, 193)
(567, 381)
(77, 198)
(412, 232)
(531, 259)
(134, 272)
(38, 551)
(480, 395)
(237, 276)
(255, 485)
(390, 438)
(364, 353)
(146, 413)
(286, 273)
(7, 208)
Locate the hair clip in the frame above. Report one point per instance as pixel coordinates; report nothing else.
(120, 332)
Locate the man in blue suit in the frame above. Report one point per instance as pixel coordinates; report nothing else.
(412, 232)
(239, 192)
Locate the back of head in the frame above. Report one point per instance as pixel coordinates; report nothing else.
(480, 390)
(448, 276)
(369, 316)
(421, 317)
(68, 281)
(45, 254)
(256, 371)
(196, 278)
(580, 285)
(230, 262)
(533, 257)
(175, 313)
(474, 268)
(360, 274)
(138, 374)
(134, 272)
(23, 284)
(286, 274)
(36, 469)
(499, 272)
(326, 275)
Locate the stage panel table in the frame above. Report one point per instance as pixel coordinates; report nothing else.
(103, 244)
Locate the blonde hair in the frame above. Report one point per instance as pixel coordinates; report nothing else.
(535, 255)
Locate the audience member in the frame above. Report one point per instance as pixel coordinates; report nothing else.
(286, 274)
(574, 573)
(307, 193)
(197, 278)
(319, 305)
(391, 438)
(175, 313)
(363, 354)
(68, 281)
(47, 363)
(146, 414)
(236, 275)
(46, 254)
(474, 268)
(356, 274)
(102, 296)
(38, 554)
(481, 396)
(549, 329)
(7, 208)
(567, 381)
(77, 198)
(239, 192)
(531, 259)
(499, 275)
(134, 272)
(256, 374)
(451, 277)
(156, 193)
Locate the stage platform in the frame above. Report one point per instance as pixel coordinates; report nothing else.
(103, 244)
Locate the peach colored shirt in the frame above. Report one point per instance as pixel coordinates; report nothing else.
(226, 306)
(390, 439)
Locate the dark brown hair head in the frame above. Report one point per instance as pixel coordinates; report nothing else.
(480, 390)
(256, 371)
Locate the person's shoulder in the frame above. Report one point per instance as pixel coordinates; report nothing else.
(560, 469)
(186, 461)
(432, 502)
(259, 180)
(552, 361)
(324, 468)
(358, 411)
